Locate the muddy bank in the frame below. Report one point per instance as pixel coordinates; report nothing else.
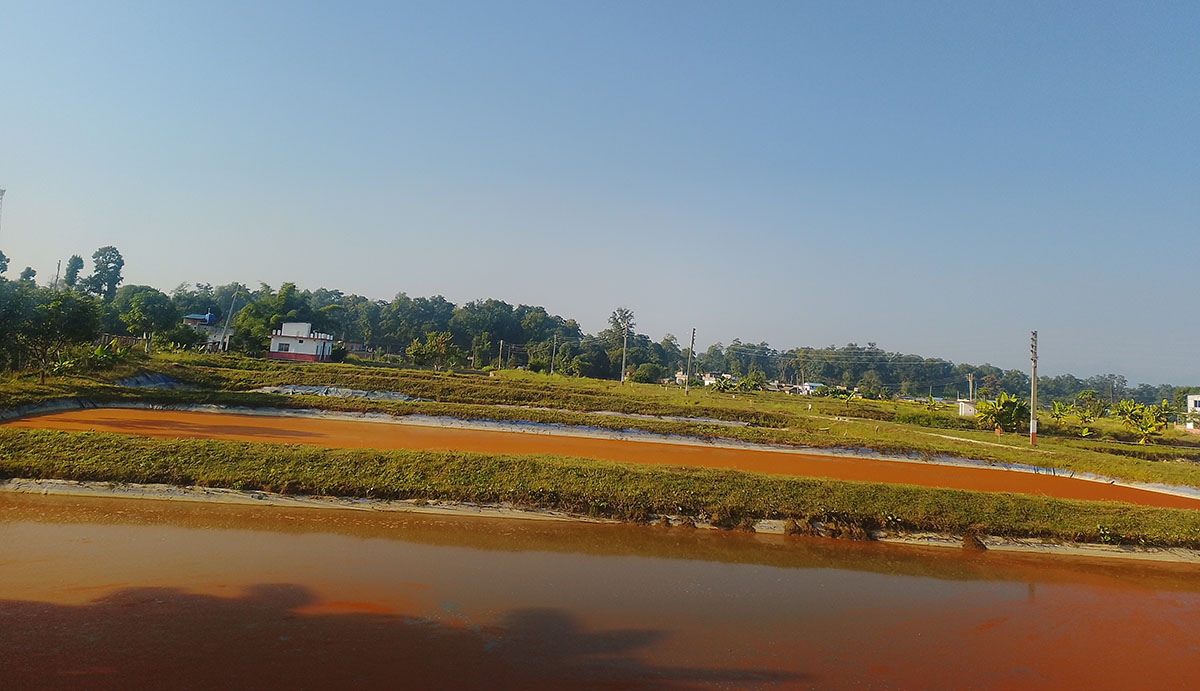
(213, 495)
(446, 434)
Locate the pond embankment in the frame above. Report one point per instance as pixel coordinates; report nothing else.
(424, 433)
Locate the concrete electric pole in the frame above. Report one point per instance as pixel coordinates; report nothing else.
(1033, 390)
(687, 382)
(624, 344)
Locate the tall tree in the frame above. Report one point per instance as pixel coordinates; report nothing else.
(107, 263)
(622, 323)
(3, 262)
(74, 266)
(28, 274)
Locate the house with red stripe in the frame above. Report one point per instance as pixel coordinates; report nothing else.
(298, 341)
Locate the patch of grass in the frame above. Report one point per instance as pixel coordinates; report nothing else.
(631, 493)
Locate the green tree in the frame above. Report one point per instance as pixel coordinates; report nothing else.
(870, 385)
(28, 274)
(266, 311)
(74, 266)
(14, 301)
(3, 263)
(621, 320)
(648, 373)
(1127, 410)
(481, 349)
(150, 311)
(1090, 405)
(438, 349)
(754, 380)
(1007, 413)
(1147, 421)
(1059, 410)
(50, 322)
(107, 263)
(620, 324)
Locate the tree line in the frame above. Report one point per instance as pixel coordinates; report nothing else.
(433, 331)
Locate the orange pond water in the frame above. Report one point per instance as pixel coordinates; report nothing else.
(343, 433)
(115, 593)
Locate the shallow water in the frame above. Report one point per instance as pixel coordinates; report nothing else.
(350, 433)
(128, 593)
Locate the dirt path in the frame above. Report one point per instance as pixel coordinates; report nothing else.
(356, 434)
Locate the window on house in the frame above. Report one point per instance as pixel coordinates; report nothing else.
(283, 347)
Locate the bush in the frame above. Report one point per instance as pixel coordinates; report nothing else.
(648, 373)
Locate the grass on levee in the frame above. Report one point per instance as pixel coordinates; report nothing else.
(523, 396)
(579, 486)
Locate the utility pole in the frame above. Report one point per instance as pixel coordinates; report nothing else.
(624, 344)
(1, 198)
(971, 386)
(57, 269)
(500, 360)
(553, 352)
(687, 381)
(1033, 390)
(225, 331)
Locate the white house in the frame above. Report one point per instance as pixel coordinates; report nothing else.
(1192, 407)
(966, 408)
(297, 341)
(711, 378)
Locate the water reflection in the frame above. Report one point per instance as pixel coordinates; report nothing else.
(164, 637)
(508, 535)
(481, 603)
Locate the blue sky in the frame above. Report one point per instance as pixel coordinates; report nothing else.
(937, 178)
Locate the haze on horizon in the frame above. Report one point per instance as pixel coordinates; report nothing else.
(937, 178)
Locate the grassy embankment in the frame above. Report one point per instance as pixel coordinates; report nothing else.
(631, 493)
(773, 418)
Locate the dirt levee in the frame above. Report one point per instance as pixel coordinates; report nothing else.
(361, 434)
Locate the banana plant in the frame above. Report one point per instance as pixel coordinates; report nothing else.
(1059, 410)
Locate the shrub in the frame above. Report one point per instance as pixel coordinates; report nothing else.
(647, 373)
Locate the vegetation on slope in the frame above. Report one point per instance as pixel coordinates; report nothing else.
(612, 490)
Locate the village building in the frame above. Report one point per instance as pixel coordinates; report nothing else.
(711, 378)
(1192, 409)
(298, 341)
(216, 337)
